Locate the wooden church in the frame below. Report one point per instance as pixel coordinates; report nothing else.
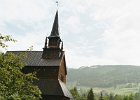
(50, 65)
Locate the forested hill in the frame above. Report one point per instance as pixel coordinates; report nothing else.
(104, 76)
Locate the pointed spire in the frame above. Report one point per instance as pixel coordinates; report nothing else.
(55, 28)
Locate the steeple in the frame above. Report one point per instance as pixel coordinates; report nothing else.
(55, 29)
(53, 44)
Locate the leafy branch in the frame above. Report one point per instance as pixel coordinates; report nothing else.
(4, 39)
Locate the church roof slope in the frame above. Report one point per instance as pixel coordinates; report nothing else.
(53, 87)
(34, 58)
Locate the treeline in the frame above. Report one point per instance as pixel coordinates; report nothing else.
(90, 95)
(104, 76)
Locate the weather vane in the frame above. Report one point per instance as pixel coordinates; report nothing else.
(57, 3)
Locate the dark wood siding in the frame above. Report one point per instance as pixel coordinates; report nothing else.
(43, 72)
(62, 74)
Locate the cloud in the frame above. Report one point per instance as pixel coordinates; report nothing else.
(94, 32)
(120, 38)
(123, 36)
(24, 10)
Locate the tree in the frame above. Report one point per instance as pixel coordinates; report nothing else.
(131, 97)
(111, 97)
(125, 98)
(75, 93)
(118, 97)
(90, 95)
(14, 84)
(101, 96)
(137, 96)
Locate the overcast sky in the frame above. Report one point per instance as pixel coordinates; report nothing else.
(94, 32)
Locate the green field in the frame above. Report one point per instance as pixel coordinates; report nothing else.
(124, 89)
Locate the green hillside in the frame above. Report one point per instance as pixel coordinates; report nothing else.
(104, 76)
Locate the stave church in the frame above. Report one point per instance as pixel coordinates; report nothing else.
(50, 66)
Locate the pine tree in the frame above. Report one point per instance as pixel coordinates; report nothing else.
(137, 96)
(131, 97)
(101, 97)
(111, 97)
(90, 95)
(75, 93)
(125, 98)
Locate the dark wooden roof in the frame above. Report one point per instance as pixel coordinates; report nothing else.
(55, 28)
(34, 58)
(53, 87)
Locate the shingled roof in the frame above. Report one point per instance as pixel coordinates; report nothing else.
(55, 29)
(53, 87)
(34, 58)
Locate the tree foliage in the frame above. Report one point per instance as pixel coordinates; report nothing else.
(14, 84)
(4, 39)
(101, 96)
(111, 97)
(78, 96)
(75, 93)
(90, 95)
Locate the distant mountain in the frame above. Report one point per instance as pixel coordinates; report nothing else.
(104, 75)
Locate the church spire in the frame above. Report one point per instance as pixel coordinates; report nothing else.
(53, 45)
(55, 28)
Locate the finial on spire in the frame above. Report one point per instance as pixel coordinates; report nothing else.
(57, 3)
(55, 28)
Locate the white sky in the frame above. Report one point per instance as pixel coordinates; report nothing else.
(94, 31)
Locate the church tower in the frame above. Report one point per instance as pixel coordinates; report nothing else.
(53, 44)
(50, 66)
(56, 70)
